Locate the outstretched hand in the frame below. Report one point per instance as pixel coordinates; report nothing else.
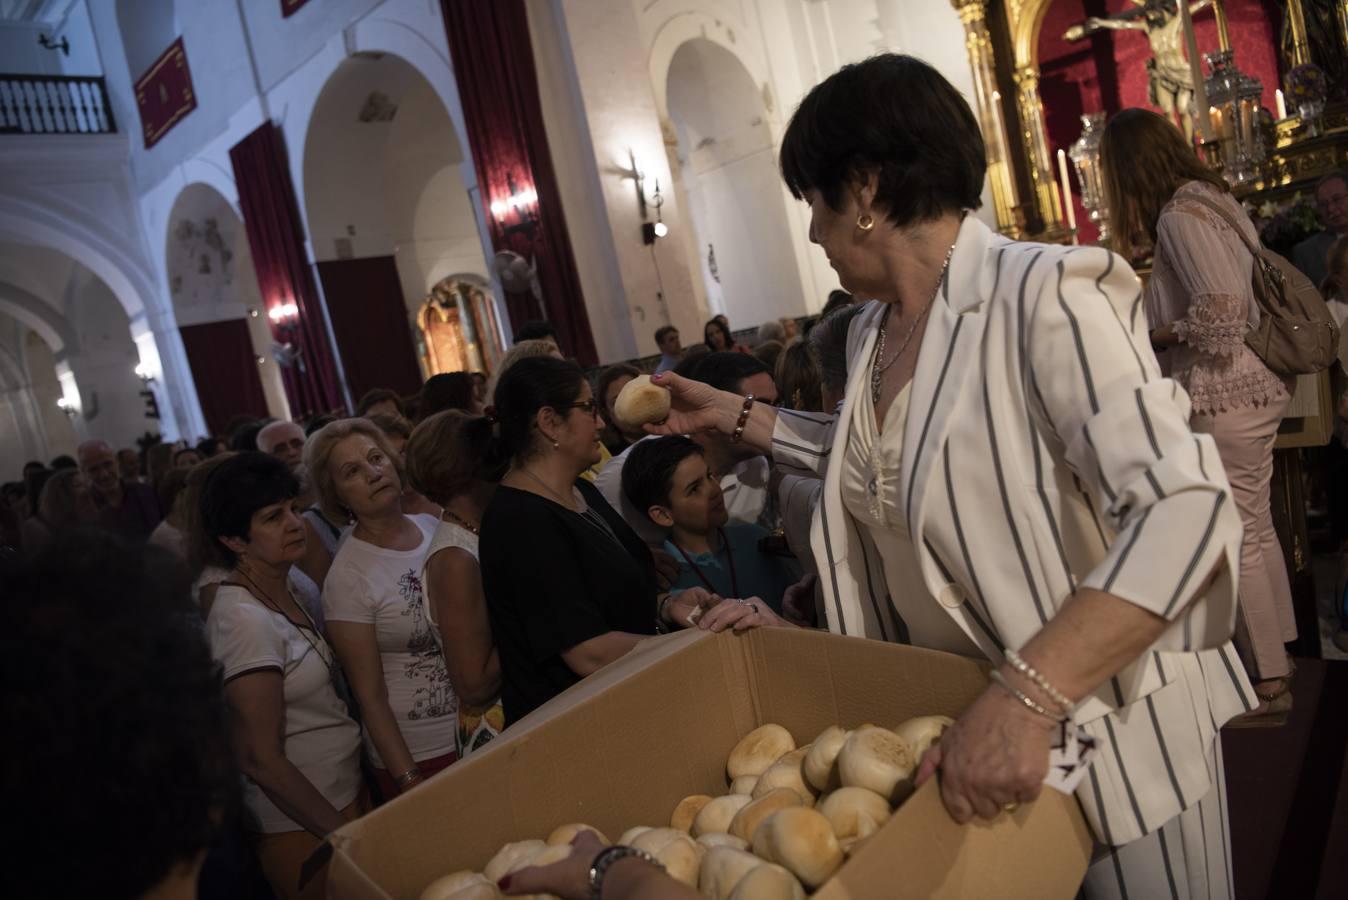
(568, 879)
(694, 407)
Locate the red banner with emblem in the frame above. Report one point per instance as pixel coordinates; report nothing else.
(164, 94)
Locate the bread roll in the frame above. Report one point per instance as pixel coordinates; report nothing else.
(821, 762)
(674, 850)
(451, 886)
(722, 870)
(485, 890)
(787, 772)
(878, 760)
(801, 840)
(641, 403)
(565, 834)
(745, 784)
(854, 812)
(923, 731)
(631, 834)
(687, 810)
(716, 815)
(758, 750)
(768, 882)
(753, 813)
(720, 839)
(505, 860)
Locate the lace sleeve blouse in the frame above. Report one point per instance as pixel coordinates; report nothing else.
(1201, 284)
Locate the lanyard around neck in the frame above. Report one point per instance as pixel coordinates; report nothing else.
(730, 562)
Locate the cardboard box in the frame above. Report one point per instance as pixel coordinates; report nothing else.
(623, 747)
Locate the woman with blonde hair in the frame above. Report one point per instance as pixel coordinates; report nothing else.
(450, 459)
(375, 609)
(1199, 304)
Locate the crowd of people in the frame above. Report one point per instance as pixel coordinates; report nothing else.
(987, 458)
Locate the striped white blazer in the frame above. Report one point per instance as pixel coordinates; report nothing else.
(1043, 452)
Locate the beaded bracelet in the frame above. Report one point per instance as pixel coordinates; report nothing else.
(1029, 671)
(743, 419)
(1030, 703)
(607, 857)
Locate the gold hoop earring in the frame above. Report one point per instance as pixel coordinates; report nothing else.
(865, 221)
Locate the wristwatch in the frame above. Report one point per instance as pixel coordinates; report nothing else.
(608, 857)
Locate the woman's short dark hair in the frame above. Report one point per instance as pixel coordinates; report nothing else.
(829, 338)
(648, 475)
(798, 377)
(449, 452)
(238, 488)
(895, 116)
(102, 648)
(531, 384)
(375, 396)
(448, 390)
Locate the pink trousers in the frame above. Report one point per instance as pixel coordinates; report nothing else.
(1245, 443)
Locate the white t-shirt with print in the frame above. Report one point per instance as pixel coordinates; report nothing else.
(374, 586)
(321, 740)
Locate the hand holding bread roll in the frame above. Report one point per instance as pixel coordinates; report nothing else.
(641, 403)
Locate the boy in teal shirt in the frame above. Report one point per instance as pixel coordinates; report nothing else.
(670, 481)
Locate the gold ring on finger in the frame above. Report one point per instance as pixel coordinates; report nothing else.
(1010, 808)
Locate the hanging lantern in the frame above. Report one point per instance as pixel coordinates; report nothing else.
(1234, 99)
(1085, 154)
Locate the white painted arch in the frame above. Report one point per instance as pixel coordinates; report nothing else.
(64, 229)
(693, 24)
(39, 317)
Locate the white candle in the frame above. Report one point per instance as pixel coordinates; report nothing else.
(1067, 195)
(1282, 104)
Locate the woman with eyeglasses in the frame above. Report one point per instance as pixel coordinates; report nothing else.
(570, 587)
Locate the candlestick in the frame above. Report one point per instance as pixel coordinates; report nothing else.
(1282, 104)
(1067, 195)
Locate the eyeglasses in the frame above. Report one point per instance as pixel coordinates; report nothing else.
(590, 406)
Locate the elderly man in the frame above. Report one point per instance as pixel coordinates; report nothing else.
(1331, 206)
(283, 440)
(126, 507)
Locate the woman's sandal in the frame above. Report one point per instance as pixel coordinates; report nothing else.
(1273, 710)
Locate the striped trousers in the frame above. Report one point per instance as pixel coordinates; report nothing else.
(1187, 858)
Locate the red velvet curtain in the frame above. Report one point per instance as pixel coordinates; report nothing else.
(276, 237)
(370, 324)
(224, 368)
(498, 87)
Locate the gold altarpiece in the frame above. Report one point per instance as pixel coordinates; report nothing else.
(1002, 43)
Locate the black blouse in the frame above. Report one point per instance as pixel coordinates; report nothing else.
(554, 578)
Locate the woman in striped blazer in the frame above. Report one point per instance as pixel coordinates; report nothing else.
(1010, 472)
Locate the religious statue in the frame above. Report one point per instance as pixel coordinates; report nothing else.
(1171, 85)
(457, 327)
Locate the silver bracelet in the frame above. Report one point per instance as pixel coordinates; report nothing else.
(1030, 703)
(1024, 668)
(607, 857)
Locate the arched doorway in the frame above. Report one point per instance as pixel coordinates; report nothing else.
(219, 312)
(388, 212)
(727, 158)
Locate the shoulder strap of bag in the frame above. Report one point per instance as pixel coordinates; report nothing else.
(1255, 247)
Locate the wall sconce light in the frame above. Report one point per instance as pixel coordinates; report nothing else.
(653, 231)
(66, 407)
(47, 42)
(523, 202)
(284, 315)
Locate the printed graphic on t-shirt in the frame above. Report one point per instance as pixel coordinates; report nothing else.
(432, 697)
